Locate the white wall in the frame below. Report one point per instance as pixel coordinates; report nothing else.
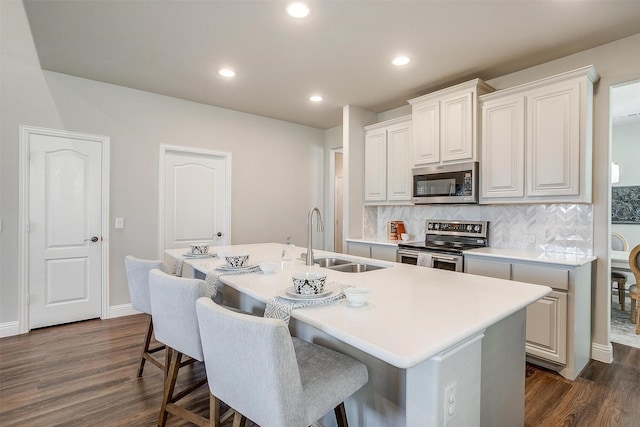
(277, 167)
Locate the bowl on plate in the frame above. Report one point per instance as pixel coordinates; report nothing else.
(267, 267)
(310, 283)
(236, 260)
(357, 296)
(199, 248)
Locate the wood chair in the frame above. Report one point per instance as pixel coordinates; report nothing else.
(619, 243)
(173, 301)
(634, 264)
(138, 279)
(269, 377)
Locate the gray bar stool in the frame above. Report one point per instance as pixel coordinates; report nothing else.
(173, 301)
(269, 377)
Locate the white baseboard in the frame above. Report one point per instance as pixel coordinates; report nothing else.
(602, 353)
(121, 310)
(9, 329)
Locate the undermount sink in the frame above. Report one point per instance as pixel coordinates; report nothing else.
(346, 266)
(330, 262)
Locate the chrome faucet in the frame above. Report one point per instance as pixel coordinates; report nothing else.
(310, 233)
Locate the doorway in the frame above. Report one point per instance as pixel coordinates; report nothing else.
(625, 199)
(194, 198)
(338, 201)
(64, 223)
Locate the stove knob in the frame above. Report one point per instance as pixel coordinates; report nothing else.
(469, 227)
(477, 228)
(437, 226)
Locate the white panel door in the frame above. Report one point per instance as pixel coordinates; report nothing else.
(456, 139)
(375, 165)
(65, 223)
(196, 199)
(399, 178)
(503, 148)
(553, 140)
(425, 132)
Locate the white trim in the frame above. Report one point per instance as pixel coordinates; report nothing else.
(602, 353)
(226, 156)
(9, 329)
(122, 310)
(23, 216)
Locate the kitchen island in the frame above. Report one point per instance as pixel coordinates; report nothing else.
(442, 348)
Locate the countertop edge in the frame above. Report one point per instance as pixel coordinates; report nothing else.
(533, 256)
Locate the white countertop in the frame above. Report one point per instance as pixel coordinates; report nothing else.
(413, 314)
(537, 256)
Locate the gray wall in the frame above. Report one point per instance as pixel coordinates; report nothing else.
(271, 194)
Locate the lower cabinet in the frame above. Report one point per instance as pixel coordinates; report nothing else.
(558, 334)
(372, 250)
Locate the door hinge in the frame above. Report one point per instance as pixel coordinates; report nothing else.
(28, 155)
(28, 299)
(28, 227)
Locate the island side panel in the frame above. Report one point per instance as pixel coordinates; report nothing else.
(503, 372)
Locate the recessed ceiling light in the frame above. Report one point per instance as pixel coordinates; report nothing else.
(315, 98)
(226, 72)
(297, 9)
(401, 60)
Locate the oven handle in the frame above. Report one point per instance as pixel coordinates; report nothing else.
(443, 258)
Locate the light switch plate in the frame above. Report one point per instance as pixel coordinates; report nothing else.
(119, 222)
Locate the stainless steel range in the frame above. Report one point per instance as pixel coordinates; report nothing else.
(443, 244)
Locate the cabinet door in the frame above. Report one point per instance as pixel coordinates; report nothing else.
(553, 140)
(383, 252)
(503, 148)
(359, 249)
(547, 328)
(375, 165)
(425, 121)
(399, 179)
(456, 121)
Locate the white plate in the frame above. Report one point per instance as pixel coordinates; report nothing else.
(190, 255)
(347, 304)
(244, 267)
(291, 294)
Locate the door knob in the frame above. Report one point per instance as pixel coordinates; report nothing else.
(219, 234)
(93, 239)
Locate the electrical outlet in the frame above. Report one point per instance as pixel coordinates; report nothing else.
(450, 398)
(119, 222)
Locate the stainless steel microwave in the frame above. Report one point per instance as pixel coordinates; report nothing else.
(457, 183)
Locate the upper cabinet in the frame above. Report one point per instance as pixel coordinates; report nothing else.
(537, 141)
(387, 168)
(444, 124)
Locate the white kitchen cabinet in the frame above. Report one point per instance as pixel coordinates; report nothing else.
(558, 330)
(387, 167)
(384, 252)
(444, 124)
(537, 141)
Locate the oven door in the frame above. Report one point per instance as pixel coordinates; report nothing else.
(442, 261)
(407, 256)
(449, 262)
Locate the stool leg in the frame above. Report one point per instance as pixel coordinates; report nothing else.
(638, 322)
(634, 308)
(341, 415)
(145, 345)
(621, 296)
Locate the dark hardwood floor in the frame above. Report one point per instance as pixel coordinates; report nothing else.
(84, 374)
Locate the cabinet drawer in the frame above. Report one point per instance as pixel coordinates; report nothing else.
(497, 269)
(556, 278)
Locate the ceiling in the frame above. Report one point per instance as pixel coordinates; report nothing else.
(342, 50)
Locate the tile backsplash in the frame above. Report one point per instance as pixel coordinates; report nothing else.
(562, 228)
